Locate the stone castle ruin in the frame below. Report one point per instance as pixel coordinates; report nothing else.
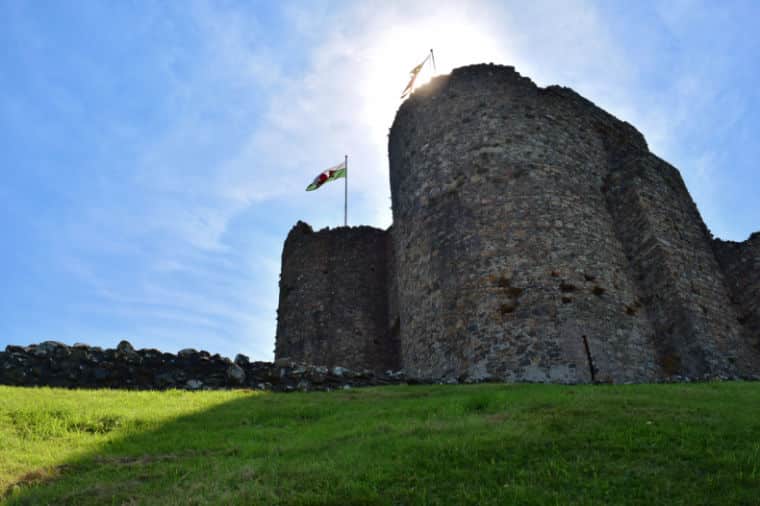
(535, 238)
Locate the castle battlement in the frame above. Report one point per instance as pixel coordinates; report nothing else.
(535, 238)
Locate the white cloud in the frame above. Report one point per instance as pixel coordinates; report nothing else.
(343, 100)
(249, 130)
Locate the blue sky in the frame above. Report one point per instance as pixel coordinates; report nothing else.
(155, 154)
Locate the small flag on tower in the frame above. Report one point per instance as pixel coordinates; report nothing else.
(328, 175)
(414, 73)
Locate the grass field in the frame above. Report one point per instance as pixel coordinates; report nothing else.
(407, 445)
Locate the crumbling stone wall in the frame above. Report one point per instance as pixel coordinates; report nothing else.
(536, 238)
(55, 364)
(682, 288)
(740, 262)
(668, 249)
(333, 306)
(393, 320)
(508, 262)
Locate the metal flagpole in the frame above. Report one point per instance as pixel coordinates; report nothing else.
(345, 194)
(433, 58)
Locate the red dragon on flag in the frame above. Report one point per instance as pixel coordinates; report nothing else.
(328, 175)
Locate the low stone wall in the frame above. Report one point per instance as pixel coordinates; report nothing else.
(80, 366)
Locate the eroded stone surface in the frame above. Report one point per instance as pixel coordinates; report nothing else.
(333, 306)
(81, 366)
(740, 262)
(535, 238)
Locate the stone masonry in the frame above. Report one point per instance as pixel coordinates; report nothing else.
(535, 238)
(740, 262)
(55, 364)
(333, 298)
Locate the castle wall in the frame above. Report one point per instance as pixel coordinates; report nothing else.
(740, 262)
(535, 238)
(333, 307)
(509, 265)
(683, 290)
(394, 319)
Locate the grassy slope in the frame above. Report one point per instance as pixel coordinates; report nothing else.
(486, 444)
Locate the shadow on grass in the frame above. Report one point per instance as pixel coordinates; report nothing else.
(491, 444)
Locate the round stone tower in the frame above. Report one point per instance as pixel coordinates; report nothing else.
(509, 266)
(333, 306)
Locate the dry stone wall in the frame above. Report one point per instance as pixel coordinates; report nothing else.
(80, 366)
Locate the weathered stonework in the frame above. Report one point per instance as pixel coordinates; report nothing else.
(80, 366)
(535, 238)
(740, 262)
(334, 298)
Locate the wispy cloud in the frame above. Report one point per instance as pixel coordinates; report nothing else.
(179, 237)
(249, 131)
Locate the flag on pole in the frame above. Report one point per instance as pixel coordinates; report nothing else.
(328, 175)
(414, 73)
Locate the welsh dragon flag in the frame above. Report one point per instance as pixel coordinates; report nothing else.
(330, 174)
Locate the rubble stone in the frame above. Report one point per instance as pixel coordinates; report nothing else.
(59, 365)
(535, 238)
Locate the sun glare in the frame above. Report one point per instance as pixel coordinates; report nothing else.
(391, 57)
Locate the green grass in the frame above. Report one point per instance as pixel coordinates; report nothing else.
(407, 445)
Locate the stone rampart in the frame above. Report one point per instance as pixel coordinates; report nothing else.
(509, 265)
(740, 262)
(682, 288)
(536, 238)
(333, 305)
